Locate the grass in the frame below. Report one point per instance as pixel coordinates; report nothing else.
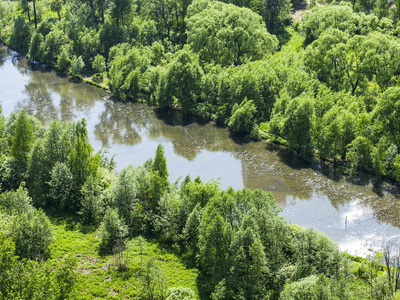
(100, 277)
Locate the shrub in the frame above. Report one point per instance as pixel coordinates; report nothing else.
(113, 231)
(33, 234)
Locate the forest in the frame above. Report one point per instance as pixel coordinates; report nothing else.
(324, 86)
(71, 227)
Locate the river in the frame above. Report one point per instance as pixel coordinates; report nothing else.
(357, 216)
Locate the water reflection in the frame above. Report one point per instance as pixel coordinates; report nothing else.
(117, 126)
(350, 214)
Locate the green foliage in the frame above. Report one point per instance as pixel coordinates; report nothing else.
(180, 82)
(61, 187)
(16, 202)
(275, 13)
(11, 173)
(298, 125)
(63, 61)
(113, 231)
(21, 35)
(22, 141)
(180, 293)
(27, 279)
(95, 197)
(225, 34)
(99, 64)
(77, 65)
(33, 234)
(359, 154)
(242, 120)
(154, 281)
(159, 164)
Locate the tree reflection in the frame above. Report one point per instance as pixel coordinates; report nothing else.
(118, 126)
(40, 102)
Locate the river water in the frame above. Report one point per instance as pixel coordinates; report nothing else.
(357, 216)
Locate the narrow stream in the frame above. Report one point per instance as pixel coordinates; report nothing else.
(133, 131)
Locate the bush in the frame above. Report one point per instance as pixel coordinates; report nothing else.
(16, 203)
(180, 293)
(113, 231)
(33, 234)
(242, 120)
(77, 65)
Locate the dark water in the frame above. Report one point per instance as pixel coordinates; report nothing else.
(133, 131)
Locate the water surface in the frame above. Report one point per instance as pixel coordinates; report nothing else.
(355, 216)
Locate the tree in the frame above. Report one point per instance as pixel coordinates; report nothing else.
(113, 231)
(33, 234)
(99, 64)
(81, 161)
(16, 202)
(63, 60)
(154, 282)
(275, 12)
(298, 125)
(387, 114)
(92, 201)
(359, 154)
(180, 82)
(120, 10)
(23, 138)
(61, 188)
(226, 34)
(159, 164)
(77, 65)
(242, 120)
(21, 35)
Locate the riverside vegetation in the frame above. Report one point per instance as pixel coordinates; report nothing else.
(72, 228)
(325, 86)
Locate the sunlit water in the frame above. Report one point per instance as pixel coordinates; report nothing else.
(355, 216)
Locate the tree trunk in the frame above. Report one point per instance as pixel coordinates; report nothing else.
(102, 11)
(34, 13)
(58, 10)
(27, 7)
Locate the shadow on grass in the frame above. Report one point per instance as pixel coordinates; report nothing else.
(70, 220)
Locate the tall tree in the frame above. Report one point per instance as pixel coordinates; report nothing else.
(226, 34)
(22, 141)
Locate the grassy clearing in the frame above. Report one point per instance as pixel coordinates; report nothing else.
(117, 276)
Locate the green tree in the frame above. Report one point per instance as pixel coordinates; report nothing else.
(275, 13)
(359, 154)
(99, 64)
(63, 60)
(21, 35)
(77, 65)
(81, 161)
(180, 83)
(159, 164)
(120, 11)
(226, 34)
(387, 114)
(16, 202)
(154, 281)
(33, 234)
(23, 138)
(298, 125)
(243, 117)
(61, 187)
(93, 200)
(113, 231)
